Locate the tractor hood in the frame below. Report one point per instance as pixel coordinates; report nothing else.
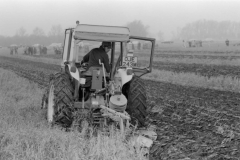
(101, 33)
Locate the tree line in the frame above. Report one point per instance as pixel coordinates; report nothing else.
(38, 36)
(202, 29)
(56, 35)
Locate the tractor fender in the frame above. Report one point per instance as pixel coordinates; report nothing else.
(74, 72)
(125, 77)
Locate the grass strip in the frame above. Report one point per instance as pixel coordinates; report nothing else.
(224, 83)
(24, 133)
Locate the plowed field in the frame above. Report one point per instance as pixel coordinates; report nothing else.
(200, 69)
(199, 56)
(192, 123)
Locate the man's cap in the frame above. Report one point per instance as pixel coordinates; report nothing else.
(107, 44)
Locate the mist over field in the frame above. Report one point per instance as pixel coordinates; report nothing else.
(44, 21)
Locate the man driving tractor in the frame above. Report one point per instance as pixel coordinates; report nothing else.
(96, 54)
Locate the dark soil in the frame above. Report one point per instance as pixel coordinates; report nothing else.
(199, 69)
(192, 123)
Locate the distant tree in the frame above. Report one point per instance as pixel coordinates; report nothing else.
(211, 29)
(160, 36)
(139, 45)
(21, 32)
(137, 28)
(56, 30)
(38, 32)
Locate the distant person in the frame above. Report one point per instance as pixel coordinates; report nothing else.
(190, 43)
(227, 42)
(11, 50)
(77, 23)
(133, 47)
(184, 44)
(30, 50)
(16, 50)
(139, 46)
(44, 50)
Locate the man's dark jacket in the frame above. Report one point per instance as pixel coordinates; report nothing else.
(93, 58)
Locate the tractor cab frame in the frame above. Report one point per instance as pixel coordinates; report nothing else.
(116, 35)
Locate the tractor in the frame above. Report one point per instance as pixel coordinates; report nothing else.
(77, 93)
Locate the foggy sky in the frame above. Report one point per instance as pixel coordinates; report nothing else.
(164, 15)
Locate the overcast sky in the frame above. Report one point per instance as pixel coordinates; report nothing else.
(164, 15)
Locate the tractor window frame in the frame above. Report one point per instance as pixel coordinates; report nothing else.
(142, 71)
(69, 43)
(119, 58)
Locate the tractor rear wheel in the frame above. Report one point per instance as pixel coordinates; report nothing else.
(137, 101)
(60, 100)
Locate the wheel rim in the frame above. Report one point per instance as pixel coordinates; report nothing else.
(50, 109)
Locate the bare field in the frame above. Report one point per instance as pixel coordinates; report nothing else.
(171, 75)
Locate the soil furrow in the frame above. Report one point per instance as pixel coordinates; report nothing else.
(192, 122)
